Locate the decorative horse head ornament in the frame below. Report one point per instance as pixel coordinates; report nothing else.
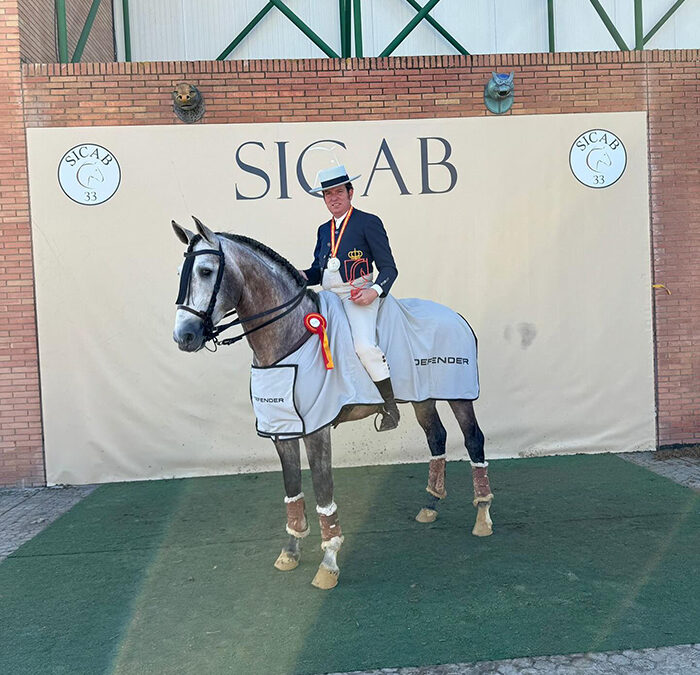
(498, 93)
(188, 103)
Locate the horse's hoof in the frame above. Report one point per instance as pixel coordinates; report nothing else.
(482, 530)
(483, 527)
(286, 562)
(427, 516)
(325, 579)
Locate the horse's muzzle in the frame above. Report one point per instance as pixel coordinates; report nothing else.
(189, 335)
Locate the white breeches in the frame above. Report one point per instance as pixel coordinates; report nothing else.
(363, 325)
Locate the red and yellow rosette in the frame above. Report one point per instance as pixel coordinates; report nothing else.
(316, 323)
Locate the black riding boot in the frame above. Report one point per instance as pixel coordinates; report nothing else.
(390, 417)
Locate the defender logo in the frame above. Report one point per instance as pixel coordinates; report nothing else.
(268, 400)
(451, 360)
(89, 174)
(598, 158)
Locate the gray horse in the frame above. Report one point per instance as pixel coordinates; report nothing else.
(224, 273)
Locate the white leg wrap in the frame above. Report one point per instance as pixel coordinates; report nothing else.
(289, 500)
(333, 544)
(298, 535)
(327, 510)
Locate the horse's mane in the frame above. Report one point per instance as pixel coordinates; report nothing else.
(268, 252)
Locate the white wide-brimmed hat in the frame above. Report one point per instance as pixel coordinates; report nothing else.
(328, 178)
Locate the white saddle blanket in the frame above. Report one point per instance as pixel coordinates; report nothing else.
(431, 351)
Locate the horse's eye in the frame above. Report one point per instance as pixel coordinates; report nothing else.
(204, 272)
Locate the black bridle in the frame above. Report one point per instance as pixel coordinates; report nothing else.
(212, 332)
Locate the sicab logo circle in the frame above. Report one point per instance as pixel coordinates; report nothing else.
(598, 158)
(89, 174)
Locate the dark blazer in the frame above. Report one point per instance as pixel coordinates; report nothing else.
(364, 243)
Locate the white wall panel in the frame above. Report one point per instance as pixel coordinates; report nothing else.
(520, 26)
(382, 22)
(579, 28)
(681, 31)
(687, 27)
(157, 31)
(477, 30)
(188, 30)
(185, 30)
(275, 37)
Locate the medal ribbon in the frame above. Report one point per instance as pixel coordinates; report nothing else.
(334, 244)
(317, 324)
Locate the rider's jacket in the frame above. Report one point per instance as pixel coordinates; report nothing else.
(364, 243)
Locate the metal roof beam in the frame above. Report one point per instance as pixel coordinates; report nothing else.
(85, 33)
(439, 28)
(62, 31)
(550, 24)
(344, 31)
(304, 29)
(408, 28)
(127, 30)
(357, 15)
(662, 20)
(244, 33)
(609, 25)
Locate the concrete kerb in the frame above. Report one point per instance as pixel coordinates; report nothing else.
(24, 512)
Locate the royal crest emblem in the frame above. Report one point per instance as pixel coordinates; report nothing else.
(357, 267)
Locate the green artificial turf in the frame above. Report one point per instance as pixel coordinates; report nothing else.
(589, 553)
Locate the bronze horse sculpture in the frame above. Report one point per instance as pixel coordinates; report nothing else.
(227, 273)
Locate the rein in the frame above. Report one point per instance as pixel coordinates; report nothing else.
(212, 332)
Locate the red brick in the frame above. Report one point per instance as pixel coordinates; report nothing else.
(360, 89)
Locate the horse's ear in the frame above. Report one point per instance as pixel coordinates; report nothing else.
(183, 234)
(205, 232)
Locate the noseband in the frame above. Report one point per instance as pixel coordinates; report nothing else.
(212, 332)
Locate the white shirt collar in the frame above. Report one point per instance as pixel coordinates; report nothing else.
(339, 221)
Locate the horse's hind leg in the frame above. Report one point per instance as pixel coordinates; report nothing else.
(474, 440)
(435, 433)
(297, 526)
(318, 450)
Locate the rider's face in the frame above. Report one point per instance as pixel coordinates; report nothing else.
(338, 199)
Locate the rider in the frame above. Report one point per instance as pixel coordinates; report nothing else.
(346, 247)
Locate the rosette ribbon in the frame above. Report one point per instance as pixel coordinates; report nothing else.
(316, 323)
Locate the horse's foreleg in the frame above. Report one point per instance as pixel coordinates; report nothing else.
(474, 441)
(318, 450)
(435, 433)
(297, 526)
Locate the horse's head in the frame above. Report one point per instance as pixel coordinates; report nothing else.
(596, 157)
(207, 287)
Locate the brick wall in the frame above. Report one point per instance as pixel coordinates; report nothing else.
(21, 447)
(37, 24)
(674, 158)
(666, 84)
